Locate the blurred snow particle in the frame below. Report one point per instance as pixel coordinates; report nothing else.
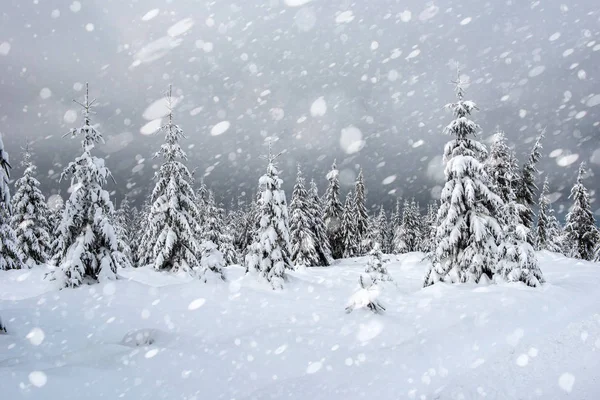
(158, 108)
(566, 160)
(318, 108)
(522, 360)
(514, 338)
(75, 6)
(155, 50)
(535, 71)
(296, 3)
(70, 116)
(36, 336)
(196, 304)
(151, 127)
(388, 180)
(180, 27)
(55, 13)
(405, 16)
(580, 114)
(344, 17)
(220, 128)
(554, 36)
(369, 331)
(374, 45)
(581, 74)
(429, 12)
(151, 353)
(77, 86)
(555, 153)
(567, 52)
(413, 54)
(109, 289)
(38, 378)
(4, 48)
(305, 19)
(435, 169)
(593, 101)
(89, 27)
(351, 140)
(566, 382)
(45, 93)
(393, 75)
(150, 14)
(314, 367)
(533, 352)
(418, 143)
(277, 113)
(595, 157)
(466, 21)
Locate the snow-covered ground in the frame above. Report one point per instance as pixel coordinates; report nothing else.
(240, 340)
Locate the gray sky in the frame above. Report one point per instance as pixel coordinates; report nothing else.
(361, 81)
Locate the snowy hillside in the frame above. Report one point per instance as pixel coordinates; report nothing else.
(240, 340)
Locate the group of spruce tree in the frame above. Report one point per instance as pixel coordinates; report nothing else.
(483, 230)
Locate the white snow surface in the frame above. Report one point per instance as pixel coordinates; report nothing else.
(154, 335)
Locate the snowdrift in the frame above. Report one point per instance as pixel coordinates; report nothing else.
(152, 335)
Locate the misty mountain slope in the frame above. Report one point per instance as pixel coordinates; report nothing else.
(153, 335)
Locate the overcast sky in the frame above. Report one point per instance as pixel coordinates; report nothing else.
(362, 81)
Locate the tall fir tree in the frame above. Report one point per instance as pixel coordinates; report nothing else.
(332, 213)
(580, 228)
(30, 219)
(468, 231)
(11, 256)
(527, 188)
(269, 253)
(86, 246)
(547, 230)
(349, 228)
(362, 216)
(302, 238)
(173, 216)
(318, 227)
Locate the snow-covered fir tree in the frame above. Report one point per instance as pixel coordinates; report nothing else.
(269, 253)
(123, 226)
(10, 254)
(318, 226)
(332, 213)
(174, 215)
(349, 229)
(547, 230)
(429, 228)
(527, 188)
(407, 235)
(370, 284)
(30, 216)
(580, 228)
(517, 261)
(468, 231)
(86, 246)
(302, 238)
(377, 231)
(214, 230)
(362, 216)
(502, 167)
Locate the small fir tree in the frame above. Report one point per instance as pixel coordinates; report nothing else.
(580, 229)
(332, 213)
(269, 253)
(30, 219)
